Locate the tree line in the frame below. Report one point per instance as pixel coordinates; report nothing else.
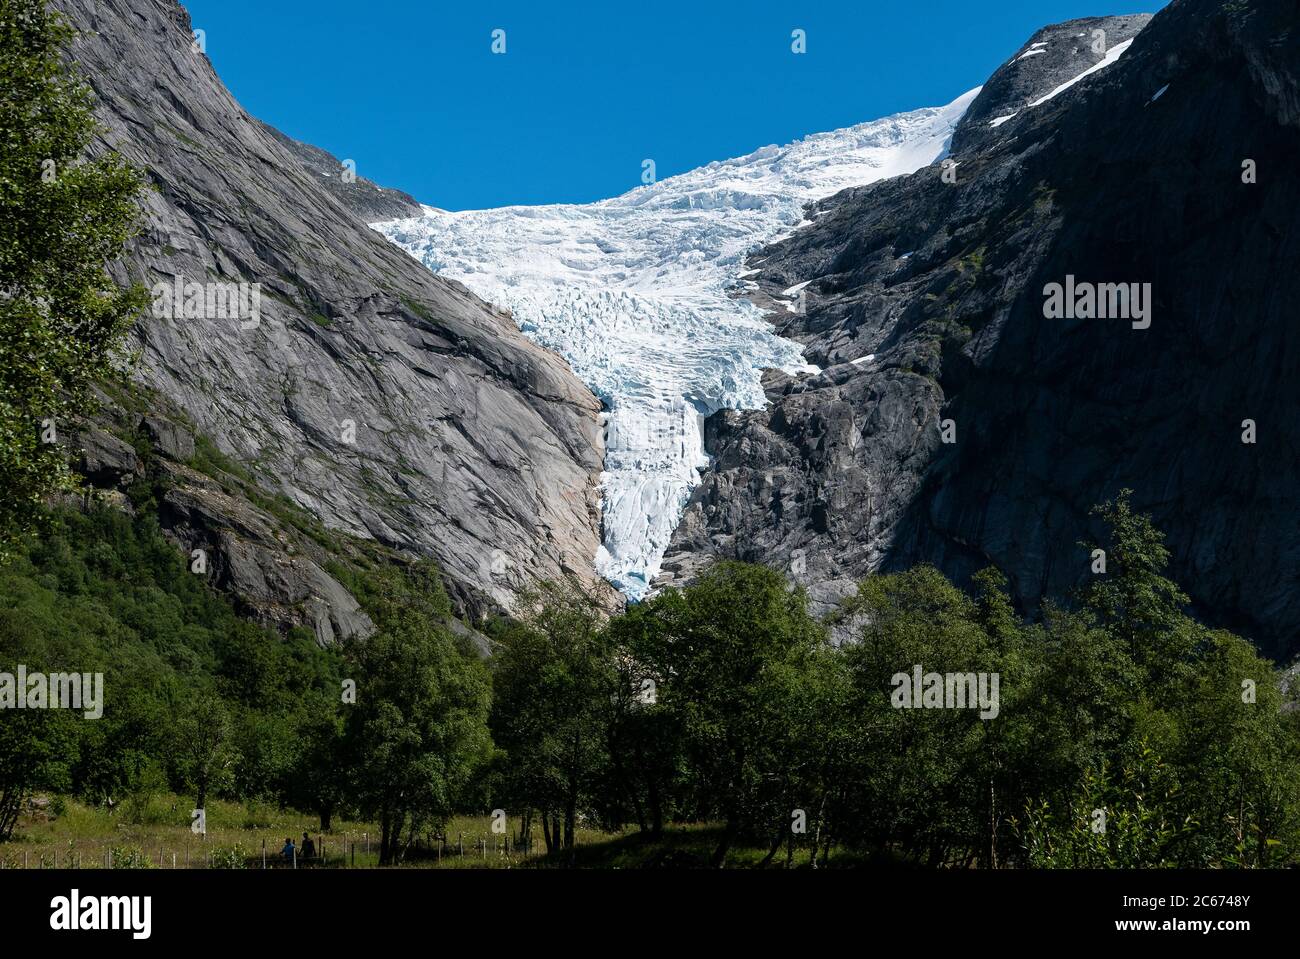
(1126, 733)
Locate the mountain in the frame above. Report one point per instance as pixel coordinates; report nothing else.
(782, 342)
(392, 404)
(1052, 61)
(1169, 163)
(366, 199)
(639, 294)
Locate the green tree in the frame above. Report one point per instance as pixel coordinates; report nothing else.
(36, 749)
(319, 781)
(644, 741)
(203, 752)
(923, 784)
(1240, 755)
(1123, 821)
(1135, 600)
(62, 218)
(418, 732)
(553, 684)
(734, 653)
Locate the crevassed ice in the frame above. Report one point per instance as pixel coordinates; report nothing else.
(634, 292)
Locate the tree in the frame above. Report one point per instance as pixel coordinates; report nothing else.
(1124, 820)
(734, 653)
(62, 218)
(318, 780)
(553, 684)
(644, 741)
(201, 743)
(36, 748)
(924, 783)
(418, 732)
(1135, 600)
(1240, 754)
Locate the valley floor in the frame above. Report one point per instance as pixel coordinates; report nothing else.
(65, 834)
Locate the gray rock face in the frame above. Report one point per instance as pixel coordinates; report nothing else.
(1134, 175)
(1052, 57)
(246, 554)
(105, 461)
(392, 404)
(168, 438)
(272, 571)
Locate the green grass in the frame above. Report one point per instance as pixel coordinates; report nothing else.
(419, 309)
(211, 462)
(143, 834)
(973, 261)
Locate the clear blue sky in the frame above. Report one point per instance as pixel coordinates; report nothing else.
(585, 91)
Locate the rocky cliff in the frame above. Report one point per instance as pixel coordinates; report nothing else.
(390, 403)
(1169, 164)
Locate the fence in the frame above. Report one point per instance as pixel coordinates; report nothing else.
(345, 850)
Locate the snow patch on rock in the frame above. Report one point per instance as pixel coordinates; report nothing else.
(1112, 55)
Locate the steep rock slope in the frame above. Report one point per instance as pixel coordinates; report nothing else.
(390, 403)
(139, 453)
(1052, 61)
(926, 303)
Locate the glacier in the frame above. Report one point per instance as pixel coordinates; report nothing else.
(643, 295)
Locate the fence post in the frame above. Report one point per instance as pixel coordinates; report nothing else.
(354, 855)
(263, 853)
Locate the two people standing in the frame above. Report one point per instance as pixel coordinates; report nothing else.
(291, 854)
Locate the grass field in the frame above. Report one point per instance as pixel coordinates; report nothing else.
(67, 834)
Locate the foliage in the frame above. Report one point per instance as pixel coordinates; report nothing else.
(418, 731)
(62, 218)
(720, 709)
(552, 683)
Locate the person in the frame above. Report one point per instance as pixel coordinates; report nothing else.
(288, 852)
(308, 848)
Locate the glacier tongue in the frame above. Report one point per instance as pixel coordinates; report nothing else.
(634, 292)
